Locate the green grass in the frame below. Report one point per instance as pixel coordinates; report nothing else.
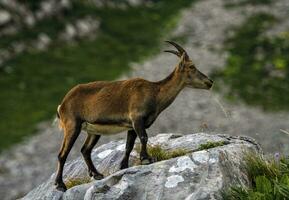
(269, 179)
(257, 67)
(210, 145)
(33, 83)
(71, 182)
(230, 4)
(159, 154)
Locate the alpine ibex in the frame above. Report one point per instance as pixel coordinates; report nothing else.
(103, 107)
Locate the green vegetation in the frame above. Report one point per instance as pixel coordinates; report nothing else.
(71, 182)
(269, 179)
(210, 145)
(33, 83)
(257, 67)
(158, 153)
(31, 4)
(230, 3)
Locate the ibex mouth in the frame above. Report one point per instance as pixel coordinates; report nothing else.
(209, 83)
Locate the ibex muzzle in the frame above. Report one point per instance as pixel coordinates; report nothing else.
(199, 80)
(104, 107)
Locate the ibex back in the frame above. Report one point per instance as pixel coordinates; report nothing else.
(103, 108)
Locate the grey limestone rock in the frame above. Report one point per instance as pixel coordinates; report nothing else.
(200, 174)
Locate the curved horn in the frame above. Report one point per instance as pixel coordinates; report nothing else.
(174, 52)
(179, 48)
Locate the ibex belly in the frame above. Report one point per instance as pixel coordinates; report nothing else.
(100, 129)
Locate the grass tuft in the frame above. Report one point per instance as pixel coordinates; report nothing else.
(71, 182)
(210, 145)
(160, 154)
(269, 179)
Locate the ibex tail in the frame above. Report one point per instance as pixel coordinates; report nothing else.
(57, 119)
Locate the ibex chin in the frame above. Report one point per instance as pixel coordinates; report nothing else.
(103, 107)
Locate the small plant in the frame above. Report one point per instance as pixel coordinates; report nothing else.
(210, 145)
(71, 182)
(269, 179)
(160, 154)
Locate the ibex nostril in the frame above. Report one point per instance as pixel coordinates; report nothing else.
(209, 83)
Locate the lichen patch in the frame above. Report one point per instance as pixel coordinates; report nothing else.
(201, 157)
(183, 163)
(213, 160)
(172, 181)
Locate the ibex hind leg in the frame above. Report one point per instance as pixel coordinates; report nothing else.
(86, 149)
(71, 132)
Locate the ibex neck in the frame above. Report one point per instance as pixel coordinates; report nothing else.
(170, 87)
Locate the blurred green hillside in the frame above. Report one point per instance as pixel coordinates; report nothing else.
(257, 67)
(33, 83)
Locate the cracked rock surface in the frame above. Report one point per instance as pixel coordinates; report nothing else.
(197, 175)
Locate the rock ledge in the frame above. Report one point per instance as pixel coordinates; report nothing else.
(198, 175)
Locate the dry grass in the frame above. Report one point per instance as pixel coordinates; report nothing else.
(158, 153)
(71, 182)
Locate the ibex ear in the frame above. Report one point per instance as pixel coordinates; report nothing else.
(182, 61)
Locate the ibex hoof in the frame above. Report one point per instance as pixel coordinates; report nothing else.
(147, 161)
(96, 176)
(123, 166)
(61, 187)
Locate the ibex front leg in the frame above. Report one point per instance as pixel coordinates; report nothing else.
(131, 136)
(139, 128)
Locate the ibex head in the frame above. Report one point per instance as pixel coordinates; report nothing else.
(192, 76)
